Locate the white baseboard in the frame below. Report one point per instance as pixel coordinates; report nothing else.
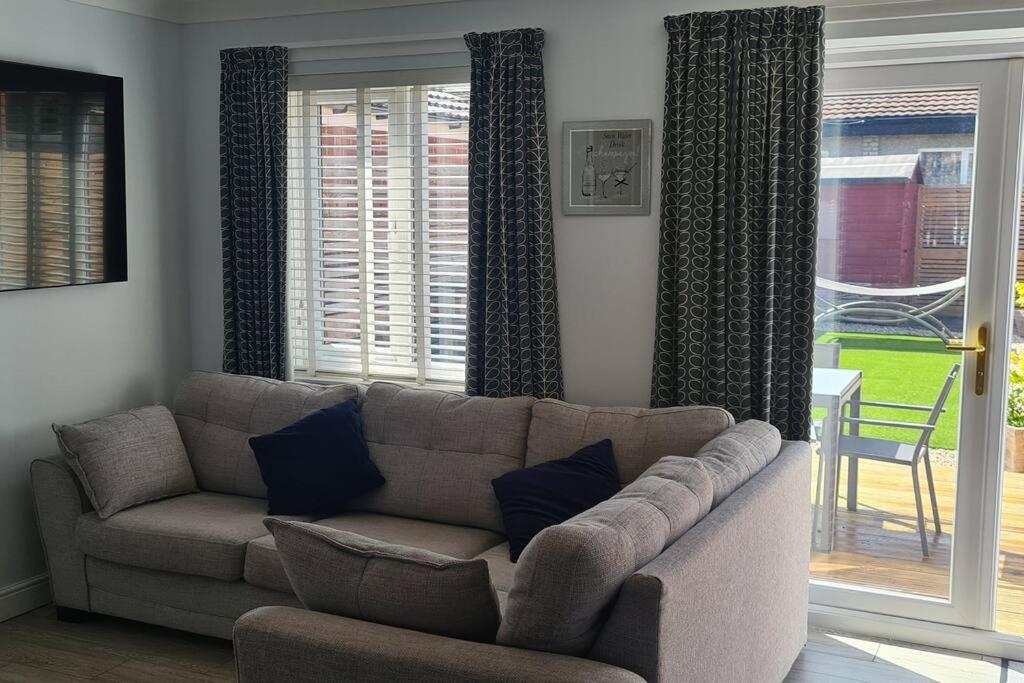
(24, 596)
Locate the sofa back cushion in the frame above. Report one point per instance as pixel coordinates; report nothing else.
(439, 451)
(349, 575)
(640, 436)
(733, 457)
(217, 413)
(571, 572)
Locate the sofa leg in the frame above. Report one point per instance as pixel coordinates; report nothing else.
(74, 616)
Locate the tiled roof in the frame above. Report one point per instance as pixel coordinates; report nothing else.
(448, 106)
(946, 102)
(442, 106)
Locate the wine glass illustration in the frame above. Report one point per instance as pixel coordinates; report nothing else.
(621, 175)
(603, 175)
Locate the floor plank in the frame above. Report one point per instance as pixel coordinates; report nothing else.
(38, 647)
(143, 642)
(136, 671)
(55, 653)
(19, 673)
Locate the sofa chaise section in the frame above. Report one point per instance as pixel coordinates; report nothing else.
(726, 602)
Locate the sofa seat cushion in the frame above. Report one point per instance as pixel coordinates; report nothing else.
(501, 569)
(263, 565)
(640, 436)
(198, 533)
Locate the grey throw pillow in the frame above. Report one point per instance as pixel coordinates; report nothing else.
(128, 459)
(570, 573)
(349, 575)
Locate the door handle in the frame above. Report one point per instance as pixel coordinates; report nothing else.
(981, 365)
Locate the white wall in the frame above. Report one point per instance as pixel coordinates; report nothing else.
(604, 59)
(79, 352)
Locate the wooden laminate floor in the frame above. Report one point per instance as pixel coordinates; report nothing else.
(36, 648)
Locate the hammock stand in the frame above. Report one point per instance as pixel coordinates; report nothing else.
(875, 312)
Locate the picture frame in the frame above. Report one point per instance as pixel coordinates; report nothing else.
(606, 168)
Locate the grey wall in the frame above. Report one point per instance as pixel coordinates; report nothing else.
(604, 59)
(78, 352)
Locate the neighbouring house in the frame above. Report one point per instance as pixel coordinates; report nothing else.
(897, 173)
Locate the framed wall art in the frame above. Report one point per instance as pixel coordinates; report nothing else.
(606, 168)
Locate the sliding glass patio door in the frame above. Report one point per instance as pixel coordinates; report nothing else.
(917, 232)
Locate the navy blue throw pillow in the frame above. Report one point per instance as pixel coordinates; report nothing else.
(534, 498)
(314, 466)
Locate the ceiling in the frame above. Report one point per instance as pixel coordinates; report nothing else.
(198, 11)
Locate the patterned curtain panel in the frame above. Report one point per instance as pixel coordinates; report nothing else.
(253, 201)
(513, 346)
(739, 213)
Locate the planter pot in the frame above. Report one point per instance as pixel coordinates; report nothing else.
(1013, 457)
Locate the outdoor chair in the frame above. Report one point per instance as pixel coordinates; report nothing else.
(855, 447)
(826, 355)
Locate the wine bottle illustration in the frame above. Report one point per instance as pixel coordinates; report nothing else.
(589, 175)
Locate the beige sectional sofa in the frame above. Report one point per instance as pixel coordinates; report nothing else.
(727, 601)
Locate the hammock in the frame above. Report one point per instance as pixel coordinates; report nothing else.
(939, 288)
(874, 312)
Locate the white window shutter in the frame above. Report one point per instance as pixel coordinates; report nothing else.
(378, 216)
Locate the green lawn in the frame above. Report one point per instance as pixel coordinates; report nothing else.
(900, 369)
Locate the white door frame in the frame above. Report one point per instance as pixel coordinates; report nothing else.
(991, 267)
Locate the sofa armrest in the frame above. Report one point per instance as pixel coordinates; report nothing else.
(59, 501)
(728, 600)
(287, 644)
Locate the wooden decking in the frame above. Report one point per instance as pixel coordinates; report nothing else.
(878, 544)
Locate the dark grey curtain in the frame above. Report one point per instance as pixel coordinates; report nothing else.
(735, 314)
(512, 336)
(253, 201)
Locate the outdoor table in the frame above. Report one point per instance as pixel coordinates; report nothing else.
(832, 388)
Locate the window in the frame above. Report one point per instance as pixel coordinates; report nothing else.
(947, 166)
(378, 214)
